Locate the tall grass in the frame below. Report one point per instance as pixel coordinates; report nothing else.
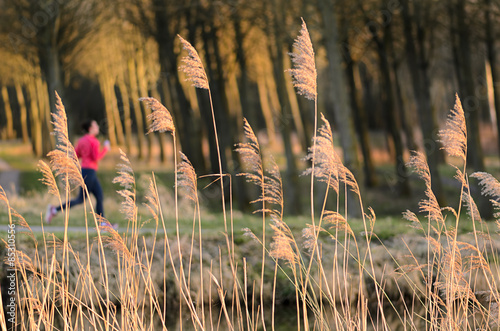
(340, 280)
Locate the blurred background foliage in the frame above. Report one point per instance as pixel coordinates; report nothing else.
(388, 71)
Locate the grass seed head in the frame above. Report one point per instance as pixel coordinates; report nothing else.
(3, 196)
(161, 120)
(152, 200)
(282, 245)
(310, 239)
(328, 167)
(193, 67)
(490, 186)
(63, 159)
(48, 178)
(304, 75)
(126, 179)
(471, 206)
(250, 155)
(454, 136)
(187, 178)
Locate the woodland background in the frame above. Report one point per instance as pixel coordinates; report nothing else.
(386, 68)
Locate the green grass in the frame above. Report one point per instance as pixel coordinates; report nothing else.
(18, 155)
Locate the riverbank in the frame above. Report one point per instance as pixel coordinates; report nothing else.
(158, 263)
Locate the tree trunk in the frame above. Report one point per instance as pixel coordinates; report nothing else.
(417, 64)
(291, 182)
(218, 103)
(393, 121)
(9, 122)
(297, 119)
(50, 67)
(470, 104)
(188, 126)
(243, 81)
(266, 109)
(491, 55)
(23, 112)
(49, 140)
(407, 128)
(104, 82)
(143, 92)
(36, 124)
(139, 120)
(342, 109)
(127, 121)
(359, 112)
(393, 124)
(116, 115)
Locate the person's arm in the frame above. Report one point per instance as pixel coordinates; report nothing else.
(96, 153)
(101, 152)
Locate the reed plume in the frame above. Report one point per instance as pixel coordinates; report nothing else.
(283, 242)
(251, 156)
(188, 181)
(471, 206)
(115, 242)
(454, 136)
(126, 179)
(63, 159)
(324, 157)
(3, 196)
(48, 178)
(195, 72)
(152, 202)
(269, 180)
(12, 213)
(270, 189)
(193, 67)
(304, 76)
(490, 186)
(429, 206)
(161, 120)
(273, 186)
(309, 233)
(337, 222)
(413, 219)
(187, 178)
(252, 159)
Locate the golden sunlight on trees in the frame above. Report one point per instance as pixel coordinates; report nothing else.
(386, 70)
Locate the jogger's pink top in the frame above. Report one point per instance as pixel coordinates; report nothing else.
(89, 152)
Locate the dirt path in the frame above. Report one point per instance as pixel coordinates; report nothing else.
(74, 229)
(9, 178)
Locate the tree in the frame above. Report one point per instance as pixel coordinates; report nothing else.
(416, 26)
(490, 33)
(342, 108)
(383, 45)
(9, 132)
(351, 61)
(460, 28)
(278, 44)
(52, 33)
(162, 20)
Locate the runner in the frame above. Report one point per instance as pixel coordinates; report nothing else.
(89, 152)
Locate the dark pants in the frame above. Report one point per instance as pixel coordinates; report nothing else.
(94, 187)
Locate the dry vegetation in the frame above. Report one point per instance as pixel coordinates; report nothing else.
(335, 278)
